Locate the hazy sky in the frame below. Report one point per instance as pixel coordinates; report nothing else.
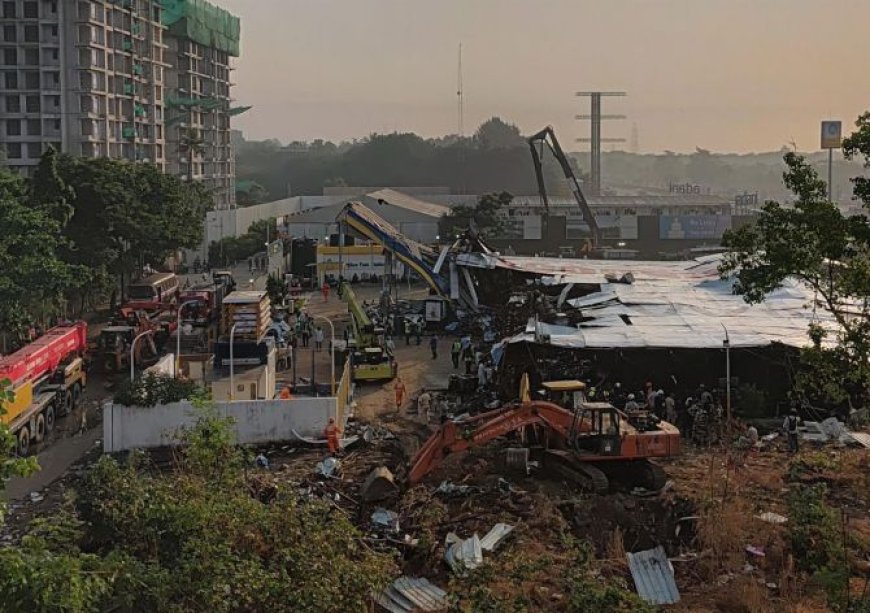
(727, 75)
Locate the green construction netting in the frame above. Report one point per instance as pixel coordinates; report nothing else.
(204, 23)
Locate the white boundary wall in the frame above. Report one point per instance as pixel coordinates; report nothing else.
(255, 421)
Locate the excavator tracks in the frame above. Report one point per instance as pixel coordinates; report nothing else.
(584, 475)
(636, 473)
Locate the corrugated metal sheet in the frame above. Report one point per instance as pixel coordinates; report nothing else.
(653, 576)
(495, 536)
(408, 595)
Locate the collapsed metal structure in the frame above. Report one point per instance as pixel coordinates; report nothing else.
(659, 317)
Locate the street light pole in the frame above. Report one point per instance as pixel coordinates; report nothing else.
(727, 344)
(132, 356)
(331, 349)
(178, 335)
(232, 364)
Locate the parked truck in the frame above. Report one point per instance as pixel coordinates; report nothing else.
(47, 378)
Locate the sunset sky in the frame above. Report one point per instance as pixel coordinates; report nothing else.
(726, 75)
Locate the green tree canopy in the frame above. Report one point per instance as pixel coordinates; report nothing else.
(32, 277)
(812, 241)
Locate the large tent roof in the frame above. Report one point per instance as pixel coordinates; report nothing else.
(672, 305)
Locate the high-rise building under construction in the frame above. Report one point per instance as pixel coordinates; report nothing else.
(141, 80)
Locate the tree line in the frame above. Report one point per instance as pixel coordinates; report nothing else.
(495, 159)
(78, 229)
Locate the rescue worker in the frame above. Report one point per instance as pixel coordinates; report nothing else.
(332, 432)
(469, 361)
(790, 425)
(285, 393)
(455, 350)
(325, 291)
(630, 405)
(399, 389)
(424, 405)
(671, 409)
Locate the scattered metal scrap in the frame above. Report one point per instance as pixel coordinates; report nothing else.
(409, 595)
(467, 554)
(654, 576)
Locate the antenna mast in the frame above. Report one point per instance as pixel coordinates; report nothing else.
(459, 95)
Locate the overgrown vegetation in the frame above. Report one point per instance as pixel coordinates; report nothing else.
(818, 543)
(191, 540)
(149, 390)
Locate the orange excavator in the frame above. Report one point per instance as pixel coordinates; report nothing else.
(587, 444)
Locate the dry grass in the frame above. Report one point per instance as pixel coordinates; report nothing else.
(615, 561)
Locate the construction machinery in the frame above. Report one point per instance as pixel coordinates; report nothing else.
(373, 364)
(537, 142)
(47, 377)
(369, 360)
(113, 345)
(587, 443)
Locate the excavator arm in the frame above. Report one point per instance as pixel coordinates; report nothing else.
(548, 137)
(455, 437)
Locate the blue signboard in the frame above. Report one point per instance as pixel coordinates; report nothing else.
(707, 227)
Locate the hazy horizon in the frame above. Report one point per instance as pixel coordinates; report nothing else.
(725, 75)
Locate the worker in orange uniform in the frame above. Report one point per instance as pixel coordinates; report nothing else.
(325, 291)
(332, 432)
(285, 393)
(400, 392)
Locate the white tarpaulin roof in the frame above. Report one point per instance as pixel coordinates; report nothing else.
(672, 304)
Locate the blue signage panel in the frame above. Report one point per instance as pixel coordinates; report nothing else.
(693, 226)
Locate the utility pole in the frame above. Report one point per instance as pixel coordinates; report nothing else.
(595, 139)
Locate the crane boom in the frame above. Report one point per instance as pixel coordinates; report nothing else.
(547, 136)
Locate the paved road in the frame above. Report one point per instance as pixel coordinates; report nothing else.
(54, 461)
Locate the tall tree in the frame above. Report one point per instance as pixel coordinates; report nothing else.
(49, 192)
(32, 278)
(495, 133)
(814, 242)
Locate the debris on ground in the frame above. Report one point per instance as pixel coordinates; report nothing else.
(653, 576)
(379, 485)
(409, 595)
(328, 467)
(772, 518)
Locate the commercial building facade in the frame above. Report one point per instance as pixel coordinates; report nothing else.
(97, 78)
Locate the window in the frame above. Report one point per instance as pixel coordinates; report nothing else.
(10, 79)
(13, 127)
(9, 34)
(31, 80)
(31, 34)
(13, 104)
(34, 150)
(31, 104)
(31, 57)
(54, 54)
(13, 151)
(10, 57)
(9, 10)
(34, 127)
(31, 10)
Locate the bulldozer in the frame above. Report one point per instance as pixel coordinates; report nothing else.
(113, 346)
(586, 443)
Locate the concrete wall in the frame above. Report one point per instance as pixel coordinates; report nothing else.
(256, 421)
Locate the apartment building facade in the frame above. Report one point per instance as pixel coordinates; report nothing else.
(97, 78)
